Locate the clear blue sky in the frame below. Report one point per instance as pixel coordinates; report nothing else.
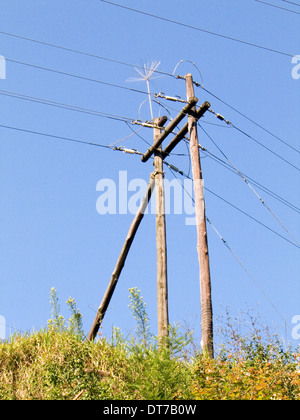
(51, 233)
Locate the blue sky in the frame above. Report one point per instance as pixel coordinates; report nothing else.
(51, 233)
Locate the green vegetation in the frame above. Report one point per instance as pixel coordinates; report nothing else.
(56, 363)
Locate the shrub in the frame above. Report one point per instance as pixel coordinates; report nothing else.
(55, 363)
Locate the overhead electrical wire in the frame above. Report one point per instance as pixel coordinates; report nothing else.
(253, 190)
(113, 148)
(251, 217)
(76, 76)
(266, 148)
(127, 120)
(65, 106)
(39, 133)
(123, 87)
(251, 180)
(237, 258)
(259, 142)
(197, 28)
(91, 111)
(73, 50)
(278, 7)
(173, 168)
(120, 118)
(247, 272)
(251, 120)
(291, 2)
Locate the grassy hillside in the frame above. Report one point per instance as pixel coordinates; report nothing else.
(56, 363)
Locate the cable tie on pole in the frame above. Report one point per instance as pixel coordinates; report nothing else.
(154, 173)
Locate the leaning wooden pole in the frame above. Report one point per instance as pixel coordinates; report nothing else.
(121, 261)
(202, 245)
(123, 255)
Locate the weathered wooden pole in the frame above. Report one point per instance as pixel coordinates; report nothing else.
(202, 246)
(121, 261)
(161, 241)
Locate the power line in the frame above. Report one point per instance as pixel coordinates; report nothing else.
(254, 139)
(247, 272)
(257, 141)
(107, 116)
(123, 87)
(291, 2)
(252, 217)
(225, 164)
(251, 120)
(197, 28)
(255, 123)
(266, 148)
(251, 180)
(253, 190)
(239, 261)
(278, 7)
(112, 116)
(73, 50)
(175, 169)
(55, 136)
(76, 76)
(256, 183)
(82, 110)
(65, 106)
(171, 167)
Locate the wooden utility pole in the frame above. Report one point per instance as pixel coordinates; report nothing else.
(202, 246)
(161, 241)
(121, 261)
(156, 180)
